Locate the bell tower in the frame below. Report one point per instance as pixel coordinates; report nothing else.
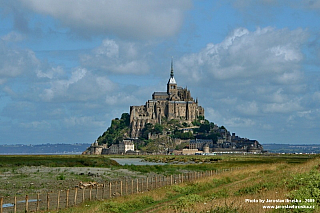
(172, 89)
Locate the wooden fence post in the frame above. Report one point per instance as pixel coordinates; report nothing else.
(75, 196)
(67, 198)
(147, 183)
(132, 186)
(126, 186)
(121, 188)
(1, 204)
(156, 182)
(110, 189)
(48, 201)
(27, 203)
(116, 188)
(97, 192)
(103, 190)
(142, 185)
(15, 204)
(137, 185)
(83, 194)
(58, 201)
(90, 193)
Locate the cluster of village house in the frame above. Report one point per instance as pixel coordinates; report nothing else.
(225, 144)
(124, 147)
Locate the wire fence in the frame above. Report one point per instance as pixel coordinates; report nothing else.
(96, 191)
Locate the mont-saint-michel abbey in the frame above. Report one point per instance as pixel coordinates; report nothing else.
(174, 123)
(175, 103)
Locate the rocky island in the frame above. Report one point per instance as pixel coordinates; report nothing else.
(172, 122)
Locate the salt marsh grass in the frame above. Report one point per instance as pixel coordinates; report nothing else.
(259, 178)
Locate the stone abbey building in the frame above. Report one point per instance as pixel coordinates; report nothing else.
(175, 103)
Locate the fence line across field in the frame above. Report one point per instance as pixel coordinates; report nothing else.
(71, 197)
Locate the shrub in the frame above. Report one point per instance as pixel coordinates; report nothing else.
(188, 201)
(135, 204)
(305, 187)
(61, 177)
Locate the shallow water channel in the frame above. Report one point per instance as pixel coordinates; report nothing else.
(134, 161)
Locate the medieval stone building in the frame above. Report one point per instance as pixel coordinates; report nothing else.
(175, 103)
(123, 147)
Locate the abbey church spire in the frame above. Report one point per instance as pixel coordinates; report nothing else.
(171, 74)
(172, 80)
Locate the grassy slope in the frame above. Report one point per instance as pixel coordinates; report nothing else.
(261, 178)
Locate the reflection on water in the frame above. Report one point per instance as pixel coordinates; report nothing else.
(23, 201)
(134, 161)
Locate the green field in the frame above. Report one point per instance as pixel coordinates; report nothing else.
(259, 177)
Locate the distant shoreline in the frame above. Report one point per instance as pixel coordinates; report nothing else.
(58, 153)
(77, 149)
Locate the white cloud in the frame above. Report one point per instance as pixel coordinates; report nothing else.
(278, 96)
(238, 122)
(109, 48)
(245, 54)
(125, 18)
(283, 107)
(53, 72)
(82, 85)
(14, 62)
(248, 108)
(117, 57)
(292, 77)
(316, 96)
(121, 99)
(76, 121)
(60, 87)
(9, 91)
(309, 4)
(13, 37)
(36, 125)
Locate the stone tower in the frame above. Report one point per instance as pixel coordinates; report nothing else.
(172, 89)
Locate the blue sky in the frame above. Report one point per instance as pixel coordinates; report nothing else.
(68, 67)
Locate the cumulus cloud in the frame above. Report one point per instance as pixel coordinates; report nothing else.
(239, 122)
(117, 57)
(82, 85)
(283, 107)
(76, 121)
(39, 125)
(309, 4)
(13, 37)
(60, 87)
(51, 73)
(14, 62)
(267, 5)
(244, 54)
(248, 108)
(125, 18)
(121, 99)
